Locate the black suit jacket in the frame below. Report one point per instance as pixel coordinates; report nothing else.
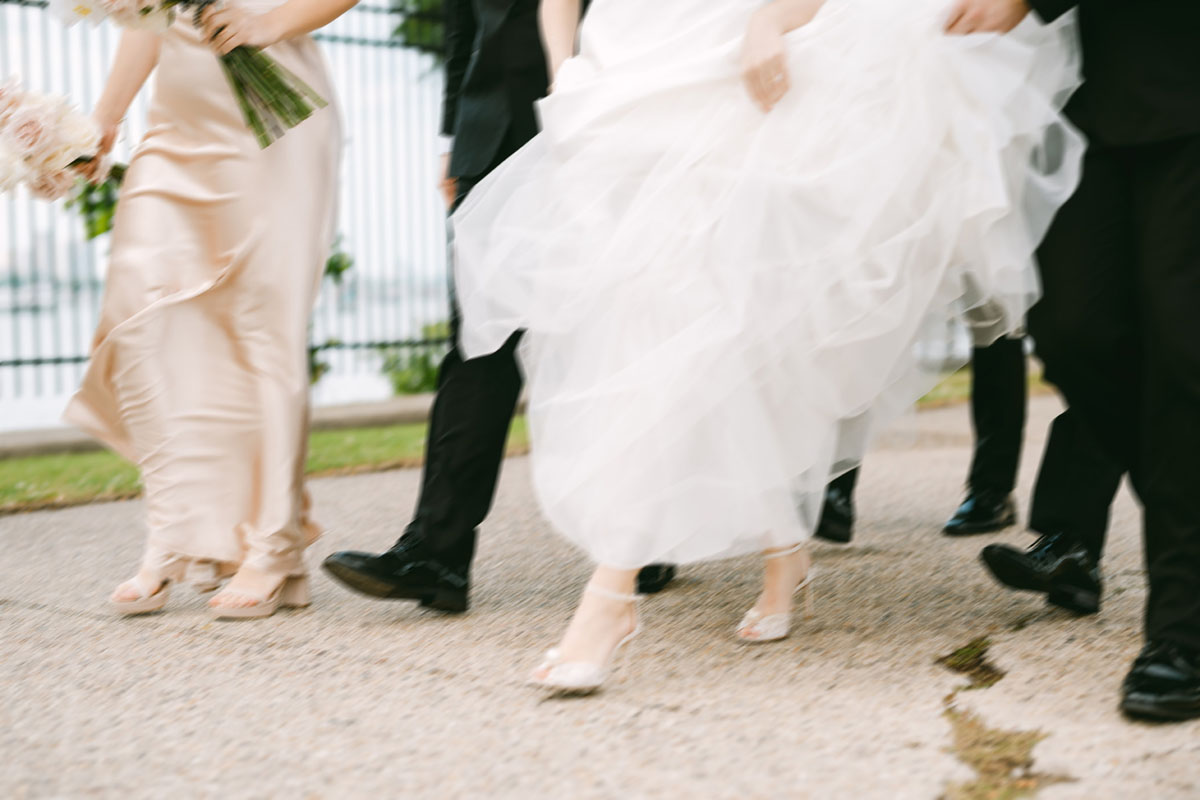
(495, 72)
(1141, 65)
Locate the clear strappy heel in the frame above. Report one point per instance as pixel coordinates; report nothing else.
(580, 677)
(757, 628)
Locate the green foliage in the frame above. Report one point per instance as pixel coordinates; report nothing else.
(317, 367)
(97, 204)
(414, 370)
(421, 27)
(411, 371)
(336, 266)
(339, 262)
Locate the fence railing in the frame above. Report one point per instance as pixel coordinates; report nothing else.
(391, 221)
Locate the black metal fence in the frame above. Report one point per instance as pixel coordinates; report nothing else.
(391, 221)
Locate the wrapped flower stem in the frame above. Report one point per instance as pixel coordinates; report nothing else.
(271, 97)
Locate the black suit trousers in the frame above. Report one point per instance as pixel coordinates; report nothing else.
(1118, 329)
(1075, 486)
(999, 389)
(468, 431)
(998, 400)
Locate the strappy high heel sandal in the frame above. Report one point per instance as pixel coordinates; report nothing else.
(152, 595)
(292, 592)
(757, 628)
(207, 576)
(159, 569)
(581, 677)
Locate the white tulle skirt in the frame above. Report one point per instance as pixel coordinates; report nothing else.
(723, 305)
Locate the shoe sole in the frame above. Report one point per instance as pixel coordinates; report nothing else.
(143, 605)
(1071, 598)
(448, 600)
(1011, 575)
(976, 530)
(835, 533)
(138, 608)
(1080, 601)
(1136, 708)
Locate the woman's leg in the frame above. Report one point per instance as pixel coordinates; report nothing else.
(272, 297)
(783, 570)
(602, 620)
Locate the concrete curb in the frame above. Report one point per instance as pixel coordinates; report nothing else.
(405, 410)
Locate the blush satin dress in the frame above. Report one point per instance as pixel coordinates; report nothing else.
(199, 370)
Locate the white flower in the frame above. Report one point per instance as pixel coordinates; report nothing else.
(11, 96)
(32, 127)
(12, 168)
(48, 134)
(78, 134)
(52, 185)
(72, 11)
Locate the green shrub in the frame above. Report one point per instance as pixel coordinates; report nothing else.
(414, 370)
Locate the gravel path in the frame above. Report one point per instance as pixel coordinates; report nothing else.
(358, 698)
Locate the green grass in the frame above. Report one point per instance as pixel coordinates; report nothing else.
(44, 481)
(74, 478)
(957, 387)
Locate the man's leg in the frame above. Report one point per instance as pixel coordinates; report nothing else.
(999, 389)
(1164, 682)
(1075, 487)
(468, 429)
(1071, 501)
(836, 523)
(1086, 327)
(999, 395)
(1085, 331)
(1167, 477)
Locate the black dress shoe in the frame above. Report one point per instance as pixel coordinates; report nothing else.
(653, 578)
(1164, 683)
(402, 573)
(982, 512)
(837, 517)
(1055, 565)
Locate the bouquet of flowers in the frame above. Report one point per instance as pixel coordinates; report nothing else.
(143, 14)
(272, 99)
(41, 138)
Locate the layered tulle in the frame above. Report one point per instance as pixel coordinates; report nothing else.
(722, 305)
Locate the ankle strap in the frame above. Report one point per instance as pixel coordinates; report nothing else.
(793, 549)
(597, 590)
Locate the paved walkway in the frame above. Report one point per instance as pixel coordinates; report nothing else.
(355, 698)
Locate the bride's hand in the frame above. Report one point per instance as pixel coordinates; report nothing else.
(231, 26)
(764, 66)
(986, 16)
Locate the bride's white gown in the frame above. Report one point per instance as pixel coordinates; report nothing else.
(723, 305)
